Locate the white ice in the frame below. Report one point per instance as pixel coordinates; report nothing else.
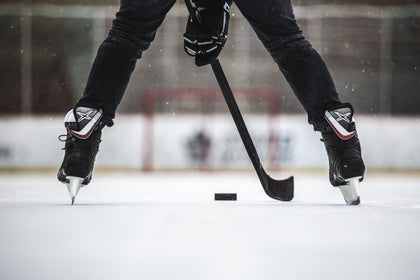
(168, 226)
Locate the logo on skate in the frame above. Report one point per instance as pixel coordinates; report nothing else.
(84, 116)
(343, 117)
(89, 125)
(337, 127)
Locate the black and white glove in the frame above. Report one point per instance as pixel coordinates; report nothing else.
(207, 29)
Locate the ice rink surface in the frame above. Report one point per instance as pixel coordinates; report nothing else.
(168, 226)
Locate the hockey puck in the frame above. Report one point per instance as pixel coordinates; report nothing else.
(225, 196)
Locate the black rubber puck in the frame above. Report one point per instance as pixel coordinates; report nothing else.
(225, 196)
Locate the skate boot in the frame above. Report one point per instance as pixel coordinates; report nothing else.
(84, 129)
(346, 167)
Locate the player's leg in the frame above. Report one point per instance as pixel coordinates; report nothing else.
(275, 25)
(132, 32)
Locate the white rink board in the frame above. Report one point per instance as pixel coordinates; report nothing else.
(32, 142)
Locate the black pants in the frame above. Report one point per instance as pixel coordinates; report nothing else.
(134, 29)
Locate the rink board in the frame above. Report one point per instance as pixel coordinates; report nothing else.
(169, 142)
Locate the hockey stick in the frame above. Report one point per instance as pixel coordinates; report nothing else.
(277, 189)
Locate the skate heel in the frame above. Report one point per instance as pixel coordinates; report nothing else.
(73, 186)
(350, 191)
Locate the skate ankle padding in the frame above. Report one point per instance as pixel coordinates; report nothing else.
(341, 121)
(82, 121)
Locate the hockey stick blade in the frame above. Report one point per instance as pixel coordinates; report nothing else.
(277, 189)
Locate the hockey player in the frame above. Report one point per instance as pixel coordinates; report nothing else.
(273, 21)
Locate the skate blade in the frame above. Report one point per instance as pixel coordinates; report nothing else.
(73, 186)
(350, 191)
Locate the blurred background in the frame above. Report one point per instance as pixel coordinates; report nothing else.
(172, 116)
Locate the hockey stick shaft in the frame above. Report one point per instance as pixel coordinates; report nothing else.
(236, 114)
(277, 189)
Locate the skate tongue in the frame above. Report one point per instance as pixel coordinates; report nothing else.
(343, 116)
(341, 121)
(83, 122)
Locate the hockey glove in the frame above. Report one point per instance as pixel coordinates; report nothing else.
(207, 29)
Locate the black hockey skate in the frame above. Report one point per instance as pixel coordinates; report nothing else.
(84, 131)
(346, 167)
